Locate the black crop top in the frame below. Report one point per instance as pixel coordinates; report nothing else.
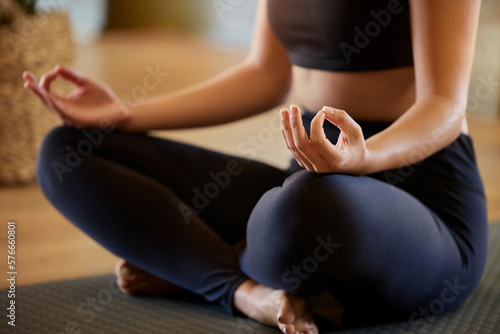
(343, 35)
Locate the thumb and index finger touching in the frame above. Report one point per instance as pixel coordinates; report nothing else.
(343, 121)
(42, 87)
(351, 130)
(65, 73)
(46, 80)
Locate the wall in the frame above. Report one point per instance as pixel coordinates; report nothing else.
(132, 13)
(88, 17)
(484, 92)
(225, 21)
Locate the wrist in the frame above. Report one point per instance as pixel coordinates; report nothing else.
(124, 116)
(373, 160)
(369, 162)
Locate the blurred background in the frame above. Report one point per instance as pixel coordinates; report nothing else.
(117, 41)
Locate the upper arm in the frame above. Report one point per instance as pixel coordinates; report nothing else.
(444, 35)
(266, 52)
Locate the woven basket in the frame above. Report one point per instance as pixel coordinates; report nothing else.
(35, 43)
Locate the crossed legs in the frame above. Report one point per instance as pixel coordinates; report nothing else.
(175, 213)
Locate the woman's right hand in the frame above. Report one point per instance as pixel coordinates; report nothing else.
(90, 105)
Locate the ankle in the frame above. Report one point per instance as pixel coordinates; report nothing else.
(241, 297)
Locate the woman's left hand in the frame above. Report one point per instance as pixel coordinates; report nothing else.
(317, 154)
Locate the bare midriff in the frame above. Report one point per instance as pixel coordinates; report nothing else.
(378, 96)
(366, 96)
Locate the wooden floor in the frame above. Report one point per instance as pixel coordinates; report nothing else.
(50, 248)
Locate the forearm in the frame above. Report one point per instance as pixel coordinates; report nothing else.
(443, 38)
(239, 92)
(427, 127)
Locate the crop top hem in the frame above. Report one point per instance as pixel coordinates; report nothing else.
(328, 64)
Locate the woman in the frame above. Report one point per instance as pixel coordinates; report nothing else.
(384, 206)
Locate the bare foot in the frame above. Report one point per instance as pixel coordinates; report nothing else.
(133, 280)
(274, 307)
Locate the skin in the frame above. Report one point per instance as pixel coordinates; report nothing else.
(426, 102)
(133, 280)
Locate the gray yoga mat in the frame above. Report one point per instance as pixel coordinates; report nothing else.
(95, 305)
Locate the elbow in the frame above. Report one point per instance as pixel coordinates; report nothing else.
(278, 88)
(281, 93)
(454, 129)
(447, 114)
(275, 82)
(453, 115)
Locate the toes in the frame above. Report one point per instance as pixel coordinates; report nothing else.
(293, 318)
(124, 277)
(123, 286)
(126, 271)
(134, 287)
(119, 266)
(313, 330)
(288, 329)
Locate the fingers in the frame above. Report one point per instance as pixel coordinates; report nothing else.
(64, 72)
(48, 100)
(302, 143)
(286, 130)
(288, 329)
(29, 77)
(349, 151)
(318, 138)
(57, 104)
(72, 75)
(298, 141)
(318, 154)
(344, 122)
(59, 108)
(47, 79)
(31, 84)
(70, 113)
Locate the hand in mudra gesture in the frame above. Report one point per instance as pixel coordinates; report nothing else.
(91, 104)
(317, 154)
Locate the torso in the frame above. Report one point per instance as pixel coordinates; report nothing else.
(346, 55)
(382, 95)
(369, 96)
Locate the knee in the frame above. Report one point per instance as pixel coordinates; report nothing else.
(307, 204)
(62, 150)
(57, 139)
(50, 157)
(299, 231)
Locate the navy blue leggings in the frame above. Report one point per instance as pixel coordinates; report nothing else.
(400, 244)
